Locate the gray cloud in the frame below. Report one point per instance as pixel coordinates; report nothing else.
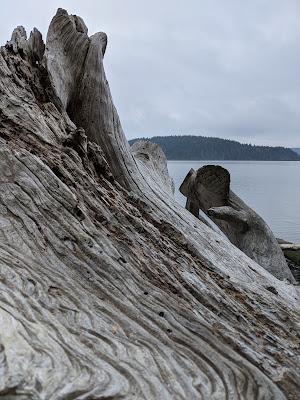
(213, 67)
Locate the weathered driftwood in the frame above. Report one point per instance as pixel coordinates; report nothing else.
(290, 246)
(109, 288)
(292, 253)
(154, 159)
(208, 189)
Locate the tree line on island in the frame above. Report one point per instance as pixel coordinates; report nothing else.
(188, 147)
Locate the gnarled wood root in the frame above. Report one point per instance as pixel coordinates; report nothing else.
(208, 189)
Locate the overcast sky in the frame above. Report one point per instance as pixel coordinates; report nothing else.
(226, 68)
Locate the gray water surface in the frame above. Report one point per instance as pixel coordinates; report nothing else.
(271, 188)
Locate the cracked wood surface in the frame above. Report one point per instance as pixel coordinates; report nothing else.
(108, 288)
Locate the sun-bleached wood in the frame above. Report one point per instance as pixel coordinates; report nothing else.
(154, 159)
(208, 189)
(109, 288)
(290, 246)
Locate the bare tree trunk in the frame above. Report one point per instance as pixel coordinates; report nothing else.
(109, 288)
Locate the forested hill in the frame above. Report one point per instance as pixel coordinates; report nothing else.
(209, 148)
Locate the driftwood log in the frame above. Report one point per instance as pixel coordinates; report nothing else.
(290, 246)
(109, 288)
(153, 158)
(291, 252)
(208, 189)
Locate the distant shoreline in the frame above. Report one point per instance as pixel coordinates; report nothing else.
(202, 148)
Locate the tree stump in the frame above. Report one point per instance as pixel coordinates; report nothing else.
(208, 189)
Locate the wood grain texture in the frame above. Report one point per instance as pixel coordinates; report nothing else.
(108, 288)
(208, 189)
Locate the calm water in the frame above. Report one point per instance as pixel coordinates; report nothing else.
(272, 188)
